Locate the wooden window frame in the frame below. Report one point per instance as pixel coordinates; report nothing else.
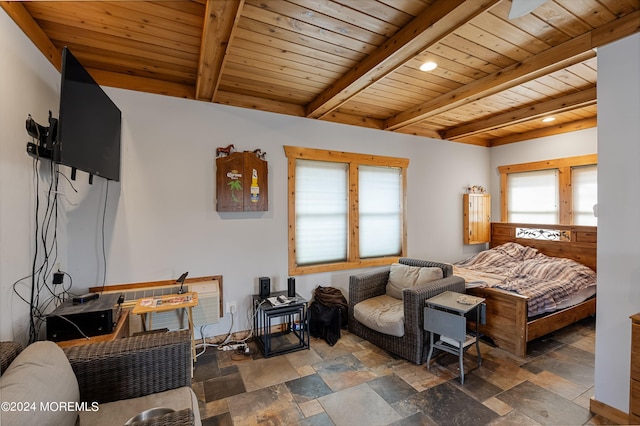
(354, 161)
(564, 167)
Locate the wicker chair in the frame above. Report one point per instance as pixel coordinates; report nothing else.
(413, 345)
(8, 352)
(129, 368)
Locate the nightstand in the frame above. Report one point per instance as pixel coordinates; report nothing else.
(446, 316)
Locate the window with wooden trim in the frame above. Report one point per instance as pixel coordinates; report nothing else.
(584, 189)
(532, 197)
(346, 210)
(562, 191)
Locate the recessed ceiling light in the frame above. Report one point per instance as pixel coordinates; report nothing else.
(428, 66)
(548, 119)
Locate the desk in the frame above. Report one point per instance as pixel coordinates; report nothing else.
(294, 336)
(120, 331)
(445, 316)
(168, 302)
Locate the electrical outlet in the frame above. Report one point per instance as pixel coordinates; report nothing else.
(232, 307)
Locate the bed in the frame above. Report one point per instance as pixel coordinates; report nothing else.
(514, 319)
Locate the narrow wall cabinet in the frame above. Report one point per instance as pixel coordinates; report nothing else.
(477, 218)
(241, 183)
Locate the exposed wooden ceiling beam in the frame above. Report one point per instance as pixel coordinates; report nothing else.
(547, 131)
(137, 45)
(620, 28)
(221, 17)
(420, 131)
(142, 84)
(262, 104)
(23, 19)
(436, 22)
(554, 106)
(571, 52)
(355, 120)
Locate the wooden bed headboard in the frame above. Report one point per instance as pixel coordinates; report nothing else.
(574, 242)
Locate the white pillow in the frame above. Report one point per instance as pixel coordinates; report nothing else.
(405, 276)
(41, 374)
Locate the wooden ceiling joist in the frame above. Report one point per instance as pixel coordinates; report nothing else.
(435, 23)
(149, 85)
(573, 126)
(568, 53)
(253, 102)
(350, 62)
(23, 19)
(221, 17)
(533, 112)
(356, 120)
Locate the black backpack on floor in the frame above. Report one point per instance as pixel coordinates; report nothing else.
(327, 314)
(324, 322)
(331, 296)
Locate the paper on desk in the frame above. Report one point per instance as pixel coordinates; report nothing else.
(275, 302)
(155, 302)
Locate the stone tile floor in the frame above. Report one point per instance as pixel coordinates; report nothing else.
(356, 383)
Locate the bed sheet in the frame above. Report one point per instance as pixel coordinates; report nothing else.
(549, 283)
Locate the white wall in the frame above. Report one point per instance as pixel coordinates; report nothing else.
(572, 144)
(618, 207)
(29, 84)
(165, 219)
(161, 220)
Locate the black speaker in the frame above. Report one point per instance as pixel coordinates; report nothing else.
(291, 287)
(265, 287)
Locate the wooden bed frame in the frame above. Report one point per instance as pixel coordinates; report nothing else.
(507, 323)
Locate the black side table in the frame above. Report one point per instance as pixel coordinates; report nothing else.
(291, 318)
(445, 315)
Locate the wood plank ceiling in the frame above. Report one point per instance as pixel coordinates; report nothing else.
(351, 61)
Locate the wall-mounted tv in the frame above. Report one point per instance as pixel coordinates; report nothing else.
(89, 123)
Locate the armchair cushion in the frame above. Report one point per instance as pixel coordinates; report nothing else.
(41, 374)
(405, 276)
(381, 313)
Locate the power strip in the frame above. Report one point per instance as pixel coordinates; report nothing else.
(234, 347)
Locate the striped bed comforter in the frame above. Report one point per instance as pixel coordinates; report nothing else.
(546, 281)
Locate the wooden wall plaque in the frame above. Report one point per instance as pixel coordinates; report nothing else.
(241, 183)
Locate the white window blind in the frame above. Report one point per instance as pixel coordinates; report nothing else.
(533, 197)
(380, 211)
(321, 206)
(584, 184)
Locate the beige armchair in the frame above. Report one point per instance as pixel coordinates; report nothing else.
(400, 328)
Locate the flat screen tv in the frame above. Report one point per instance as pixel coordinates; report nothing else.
(89, 123)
